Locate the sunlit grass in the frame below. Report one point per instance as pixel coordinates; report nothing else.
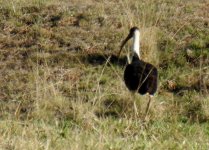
(60, 89)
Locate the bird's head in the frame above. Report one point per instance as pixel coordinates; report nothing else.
(134, 32)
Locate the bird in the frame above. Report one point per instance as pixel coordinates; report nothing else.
(139, 76)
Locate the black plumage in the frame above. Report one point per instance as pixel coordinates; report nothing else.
(141, 76)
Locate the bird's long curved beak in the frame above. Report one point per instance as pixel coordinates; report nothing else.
(123, 43)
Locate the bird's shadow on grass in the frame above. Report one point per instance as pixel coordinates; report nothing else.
(99, 59)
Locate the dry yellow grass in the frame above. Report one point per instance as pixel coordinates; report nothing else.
(61, 90)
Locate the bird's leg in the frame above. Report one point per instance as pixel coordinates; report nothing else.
(148, 105)
(135, 106)
(135, 109)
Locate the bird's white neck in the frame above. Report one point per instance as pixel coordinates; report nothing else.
(136, 43)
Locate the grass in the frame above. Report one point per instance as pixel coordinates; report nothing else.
(61, 90)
